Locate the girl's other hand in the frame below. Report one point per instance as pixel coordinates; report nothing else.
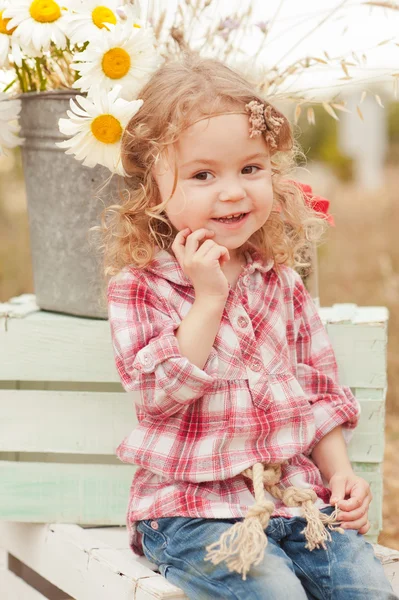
(201, 260)
(353, 510)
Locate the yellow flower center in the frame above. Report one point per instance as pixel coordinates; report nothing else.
(45, 11)
(116, 63)
(137, 25)
(3, 25)
(106, 129)
(102, 15)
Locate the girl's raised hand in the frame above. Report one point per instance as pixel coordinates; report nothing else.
(201, 260)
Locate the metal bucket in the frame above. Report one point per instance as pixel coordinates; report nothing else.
(64, 201)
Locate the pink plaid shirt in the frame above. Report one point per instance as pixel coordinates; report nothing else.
(268, 392)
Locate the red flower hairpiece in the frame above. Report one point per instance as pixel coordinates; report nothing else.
(318, 203)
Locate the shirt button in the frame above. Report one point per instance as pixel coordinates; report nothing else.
(154, 525)
(246, 280)
(242, 321)
(147, 361)
(256, 365)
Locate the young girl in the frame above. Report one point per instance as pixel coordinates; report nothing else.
(241, 442)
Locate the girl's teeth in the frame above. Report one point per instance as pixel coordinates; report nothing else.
(233, 218)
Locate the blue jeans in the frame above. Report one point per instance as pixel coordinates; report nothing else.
(347, 570)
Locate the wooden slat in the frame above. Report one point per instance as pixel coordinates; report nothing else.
(68, 493)
(66, 348)
(96, 423)
(361, 354)
(367, 444)
(359, 338)
(71, 422)
(82, 565)
(48, 347)
(98, 494)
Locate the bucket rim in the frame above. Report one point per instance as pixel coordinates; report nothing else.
(50, 94)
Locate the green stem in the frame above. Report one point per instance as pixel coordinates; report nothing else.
(26, 69)
(9, 85)
(20, 79)
(40, 74)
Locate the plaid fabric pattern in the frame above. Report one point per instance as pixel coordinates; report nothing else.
(268, 392)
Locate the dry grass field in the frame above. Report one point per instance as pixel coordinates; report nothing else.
(359, 263)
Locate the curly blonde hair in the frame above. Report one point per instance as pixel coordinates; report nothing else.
(178, 94)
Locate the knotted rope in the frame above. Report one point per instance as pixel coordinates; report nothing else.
(244, 544)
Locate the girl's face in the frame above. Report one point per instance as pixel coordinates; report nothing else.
(222, 172)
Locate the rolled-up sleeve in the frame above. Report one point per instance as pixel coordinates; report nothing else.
(147, 353)
(317, 371)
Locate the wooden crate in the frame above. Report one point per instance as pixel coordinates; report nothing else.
(64, 412)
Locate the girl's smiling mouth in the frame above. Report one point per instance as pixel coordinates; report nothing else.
(233, 221)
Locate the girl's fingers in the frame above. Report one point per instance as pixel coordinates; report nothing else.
(357, 524)
(194, 239)
(356, 514)
(214, 251)
(365, 528)
(356, 501)
(180, 242)
(204, 248)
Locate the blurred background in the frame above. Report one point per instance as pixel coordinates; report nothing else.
(352, 158)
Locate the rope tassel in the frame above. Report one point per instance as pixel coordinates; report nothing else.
(244, 544)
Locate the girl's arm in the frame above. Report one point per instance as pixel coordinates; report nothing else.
(330, 454)
(147, 353)
(197, 331)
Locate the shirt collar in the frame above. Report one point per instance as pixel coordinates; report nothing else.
(165, 265)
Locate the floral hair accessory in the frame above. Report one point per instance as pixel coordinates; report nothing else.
(265, 118)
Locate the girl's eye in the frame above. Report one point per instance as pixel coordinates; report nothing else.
(246, 172)
(202, 176)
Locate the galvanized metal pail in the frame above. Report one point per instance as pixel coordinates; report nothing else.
(64, 201)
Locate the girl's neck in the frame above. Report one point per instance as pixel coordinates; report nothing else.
(232, 269)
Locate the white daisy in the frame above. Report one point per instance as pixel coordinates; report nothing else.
(9, 125)
(8, 41)
(38, 22)
(123, 56)
(130, 15)
(97, 125)
(88, 19)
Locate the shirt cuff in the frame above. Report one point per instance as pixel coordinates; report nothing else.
(329, 413)
(174, 373)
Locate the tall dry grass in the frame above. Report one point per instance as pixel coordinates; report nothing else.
(360, 264)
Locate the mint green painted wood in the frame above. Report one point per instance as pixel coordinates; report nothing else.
(359, 338)
(69, 422)
(64, 493)
(368, 441)
(48, 347)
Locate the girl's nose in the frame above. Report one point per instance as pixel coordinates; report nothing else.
(232, 192)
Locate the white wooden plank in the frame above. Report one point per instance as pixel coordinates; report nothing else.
(82, 565)
(81, 348)
(71, 422)
(69, 493)
(85, 566)
(367, 444)
(361, 354)
(351, 313)
(61, 348)
(96, 422)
